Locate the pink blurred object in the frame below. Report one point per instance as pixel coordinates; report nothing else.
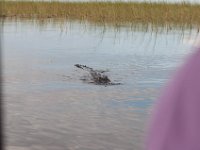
(176, 121)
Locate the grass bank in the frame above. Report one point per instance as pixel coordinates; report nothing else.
(106, 12)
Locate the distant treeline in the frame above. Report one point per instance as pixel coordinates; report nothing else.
(106, 12)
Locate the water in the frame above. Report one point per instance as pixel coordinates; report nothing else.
(46, 104)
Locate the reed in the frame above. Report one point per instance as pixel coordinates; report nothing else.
(106, 12)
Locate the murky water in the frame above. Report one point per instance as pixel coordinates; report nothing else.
(48, 107)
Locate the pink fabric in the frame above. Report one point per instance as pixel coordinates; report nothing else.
(176, 121)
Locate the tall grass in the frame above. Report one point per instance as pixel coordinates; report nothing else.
(106, 12)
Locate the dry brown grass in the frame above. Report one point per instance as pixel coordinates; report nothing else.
(106, 12)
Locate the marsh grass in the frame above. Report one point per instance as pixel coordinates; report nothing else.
(107, 12)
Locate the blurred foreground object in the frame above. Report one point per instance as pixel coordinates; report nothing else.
(176, 120)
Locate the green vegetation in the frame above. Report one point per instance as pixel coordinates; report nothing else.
(106, 12)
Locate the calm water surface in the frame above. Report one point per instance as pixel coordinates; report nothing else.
(48, 107)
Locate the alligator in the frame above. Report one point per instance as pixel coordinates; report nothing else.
(97, 77)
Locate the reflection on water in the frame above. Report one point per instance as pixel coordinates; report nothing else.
(47, 106)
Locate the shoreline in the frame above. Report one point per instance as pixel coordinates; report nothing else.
(106, 12)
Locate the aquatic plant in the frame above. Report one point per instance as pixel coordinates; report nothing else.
(106, 12)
